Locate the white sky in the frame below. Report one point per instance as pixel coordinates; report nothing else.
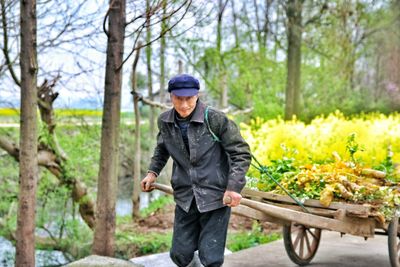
(76, 85)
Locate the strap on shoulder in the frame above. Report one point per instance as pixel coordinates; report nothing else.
(215, 137)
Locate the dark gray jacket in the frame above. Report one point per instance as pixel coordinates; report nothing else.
(211, 167)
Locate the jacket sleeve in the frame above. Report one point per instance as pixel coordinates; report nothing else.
(238, 150)
(160, 155)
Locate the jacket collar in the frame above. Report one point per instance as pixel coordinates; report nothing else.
(198, 114)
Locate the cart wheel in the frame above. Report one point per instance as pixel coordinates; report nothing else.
(394, 242)
(301, 242)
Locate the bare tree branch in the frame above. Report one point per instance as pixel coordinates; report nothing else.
(149, 102)
(5, 49)
(135, 47)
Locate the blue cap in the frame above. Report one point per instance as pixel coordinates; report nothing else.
(184, 85)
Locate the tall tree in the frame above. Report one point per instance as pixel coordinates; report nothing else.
(104, 241)
(221, 69)
(262, 24)
(294, 32)
(137, 149)
(234, 24)
(163, 46)
(149, 10)
(28, 166)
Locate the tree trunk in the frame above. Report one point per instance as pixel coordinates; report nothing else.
(163, 46)
(267, 24)
(247, 16)
(294, 29)
(221, 72)
(28, 166)
(104, 241)
(149, 69)
(180, 66)
(224, 90)
(276, 44)
(234, 25)
(137, 159)
(258, 30)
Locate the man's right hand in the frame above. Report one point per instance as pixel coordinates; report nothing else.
(147, 182)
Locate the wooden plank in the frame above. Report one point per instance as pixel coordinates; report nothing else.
(363, 224)
(316, 211)
(351, 208)
(257, 215)
(350, 226)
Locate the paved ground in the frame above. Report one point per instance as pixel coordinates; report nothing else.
(334, 251)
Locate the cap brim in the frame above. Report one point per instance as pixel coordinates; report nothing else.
(185, 92)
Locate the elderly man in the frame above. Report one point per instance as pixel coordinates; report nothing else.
(210, 160)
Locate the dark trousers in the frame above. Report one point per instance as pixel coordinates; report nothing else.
(205, 232)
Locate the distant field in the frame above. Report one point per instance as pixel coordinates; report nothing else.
(9, 115)
(59, 112)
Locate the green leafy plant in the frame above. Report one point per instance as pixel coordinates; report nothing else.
(352, 146)
(248, 239)
(156, 205)
(277, 170)
(132, 244)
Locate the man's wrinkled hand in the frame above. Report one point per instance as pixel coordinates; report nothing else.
(232, 199)
(147, 183)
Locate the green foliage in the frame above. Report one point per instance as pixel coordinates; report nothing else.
(352, 146)
(248, 239)
(130, 244)
(388, 166)
(82, 163)
(337, 65)
(253, 79)
(278, 169)
(57, 217)
(156, 205)
(77, 238)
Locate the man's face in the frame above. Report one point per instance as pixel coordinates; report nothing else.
(184, 105)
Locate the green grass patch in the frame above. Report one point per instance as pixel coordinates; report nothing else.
(156, 205)
(248, 239)
(134, 244)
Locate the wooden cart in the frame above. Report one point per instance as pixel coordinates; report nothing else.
(302, 230)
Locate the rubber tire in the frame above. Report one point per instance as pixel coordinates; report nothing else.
(394, 242)
(290, 250)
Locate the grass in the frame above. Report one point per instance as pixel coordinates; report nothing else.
(156, 205)
(249, 239)
(134, 244)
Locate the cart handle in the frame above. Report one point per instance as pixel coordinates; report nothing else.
(283, 213)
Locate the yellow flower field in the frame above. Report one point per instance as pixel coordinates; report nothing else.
(315, 142)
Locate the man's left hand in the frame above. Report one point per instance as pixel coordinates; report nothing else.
(234, 198)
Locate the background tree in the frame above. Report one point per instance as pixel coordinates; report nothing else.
(104, 233)
(294, 10)
(137, 147)
(25, 247)
(163, 47)
(149, 10)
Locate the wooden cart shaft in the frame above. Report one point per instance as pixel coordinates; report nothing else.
(270, 212)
